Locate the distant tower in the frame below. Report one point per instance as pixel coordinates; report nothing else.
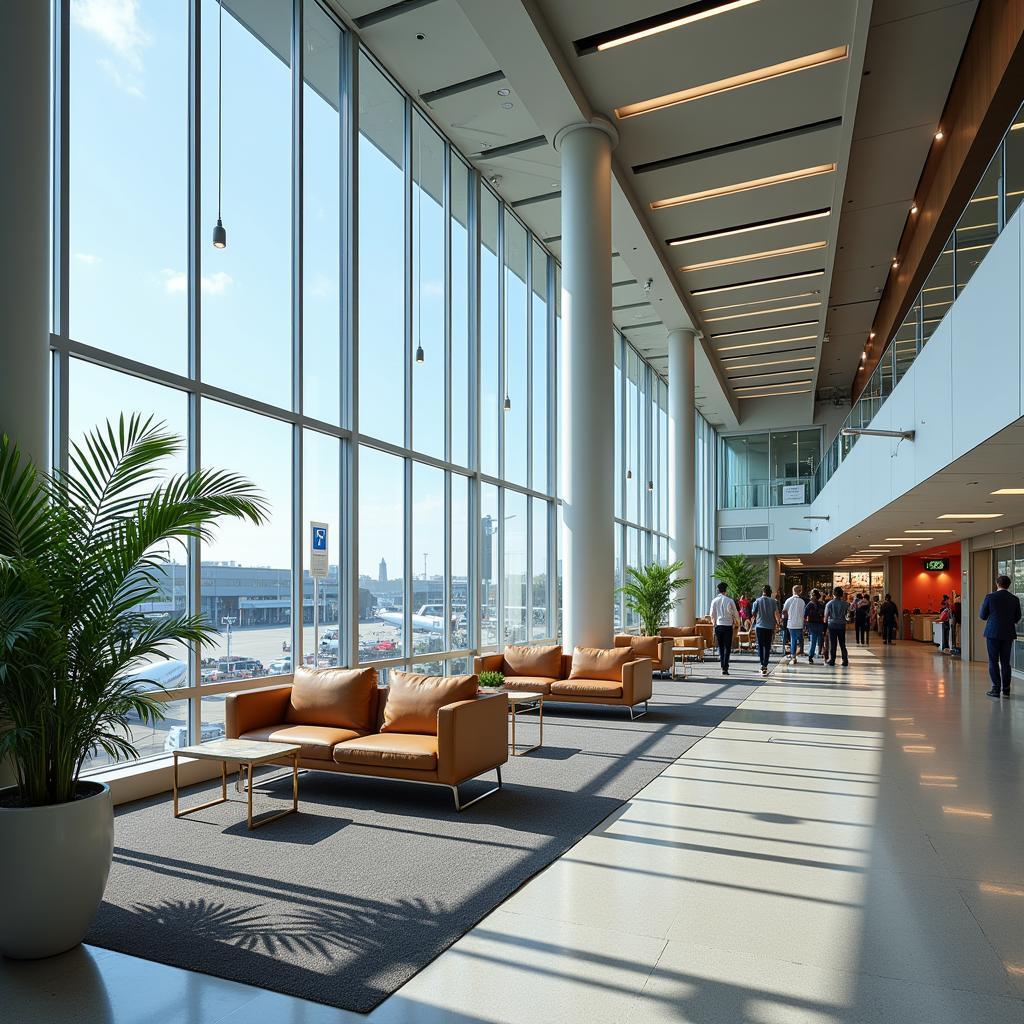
(382, 573)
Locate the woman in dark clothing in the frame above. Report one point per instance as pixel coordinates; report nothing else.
(860, 618)
(889, 614)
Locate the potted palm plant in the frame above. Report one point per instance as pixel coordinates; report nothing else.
(80, 552)
(652, 592)
(741, 574)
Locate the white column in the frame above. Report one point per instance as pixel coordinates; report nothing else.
(586, 455)
(682, 466)
(25, 225)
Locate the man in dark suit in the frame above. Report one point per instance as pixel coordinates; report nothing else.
(1001, 612)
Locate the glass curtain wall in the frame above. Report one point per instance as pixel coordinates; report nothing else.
(350, 350)
(769, 469)
(641, 469)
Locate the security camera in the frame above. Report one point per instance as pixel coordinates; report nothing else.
(648, 284)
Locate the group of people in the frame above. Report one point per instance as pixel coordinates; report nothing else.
(825, 625)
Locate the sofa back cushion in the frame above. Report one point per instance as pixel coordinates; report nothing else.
(414, 700)
(678, 631)
(647, 647)
(533, 661)
(340, 698)
(599, 663)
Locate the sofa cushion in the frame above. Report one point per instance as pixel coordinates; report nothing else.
(336, 697)
(414, 700)
(544, 661)
(647, 646)
(586, 688)
(529, 684)
(598, 663)
(390, 750)
(317, 741)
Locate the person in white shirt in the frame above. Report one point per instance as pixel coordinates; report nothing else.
(724, 616)
(794, 610)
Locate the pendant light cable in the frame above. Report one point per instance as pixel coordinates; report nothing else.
(220, 236)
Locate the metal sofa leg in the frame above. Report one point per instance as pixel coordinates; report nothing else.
(633, 715)
(460, 806)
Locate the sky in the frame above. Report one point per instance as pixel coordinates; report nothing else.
(128, 273)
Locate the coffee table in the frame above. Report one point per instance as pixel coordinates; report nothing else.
(248, 753)
(520, 700)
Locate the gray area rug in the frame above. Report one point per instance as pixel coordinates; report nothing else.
(345, 901)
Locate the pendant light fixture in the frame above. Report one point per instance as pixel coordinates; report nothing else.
(220, 235)
(629, 453)
(419, 276)
(650, 486)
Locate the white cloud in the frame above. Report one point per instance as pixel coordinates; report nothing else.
(116, 22)
(88, 258)
(123, 82)
(176, 282)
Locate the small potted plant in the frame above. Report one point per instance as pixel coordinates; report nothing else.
(81, 554)
(491, 681)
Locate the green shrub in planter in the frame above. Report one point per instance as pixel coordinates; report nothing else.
(491, 680)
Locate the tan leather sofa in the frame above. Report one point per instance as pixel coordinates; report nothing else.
(691, 639)
(427, 729)
(657, 648)
(588, 676)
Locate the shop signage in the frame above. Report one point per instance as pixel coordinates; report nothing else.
(936, 564)
(794, 494)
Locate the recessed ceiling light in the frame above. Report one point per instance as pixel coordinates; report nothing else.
(895, 264)
(504, 92)
(913, 208)
(767, 74)
(939, 135)
(871, 335)
(758, 283)
(750, 257)
(773, 394)
(1009, 490)
(772, 362)
(775, 222)
(765, 344)
(761, 330)
(742, 186)
(665, 22)
(971, 515)
(507, 105)
(886, 546)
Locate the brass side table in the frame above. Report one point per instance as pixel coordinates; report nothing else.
(521, 701)
(248, 754)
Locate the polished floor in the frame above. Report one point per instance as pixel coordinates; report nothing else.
(847, 847)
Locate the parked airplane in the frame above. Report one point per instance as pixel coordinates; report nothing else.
(429, 619)
(160, 675)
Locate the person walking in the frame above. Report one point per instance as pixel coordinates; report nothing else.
(889, 614)
(956, 620)
(1000, 612)
(836, 612)
(794, 612)
(725, 617)
(945, 611)
(814, 623)
(860, 619)
(766, 617)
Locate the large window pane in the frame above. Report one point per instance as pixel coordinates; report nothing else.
(381, 255)
(428, 618)
(381, 554)
(488, 565)
(156, 739)
(247, 570)
(128, 176)
(460, 332)
(634, 465)
(428, 288)
(490, 270)
(458, 586)
(540, 627)
(515, 568)
(321, 503)
(539, 368)
(936, 298)
(1014, 144)
(620, 427)
(321, 220)
(516, 367)
(978, 224)
(246, 288)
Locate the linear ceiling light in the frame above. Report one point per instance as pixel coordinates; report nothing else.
(759, 302)
(762, 344)
(758, 283)
(647, 27)
(773, 394)
(761, 330)
(697, 92)
(742, 186)
(761, 387)
(760, 225)
(750, 257)
(1009, 490)
(771, 362)
(761, 312)
(971, 515)
(928, 531)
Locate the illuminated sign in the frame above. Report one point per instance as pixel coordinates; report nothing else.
(936, 564)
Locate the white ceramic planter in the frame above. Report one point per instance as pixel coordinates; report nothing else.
(54, 863)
